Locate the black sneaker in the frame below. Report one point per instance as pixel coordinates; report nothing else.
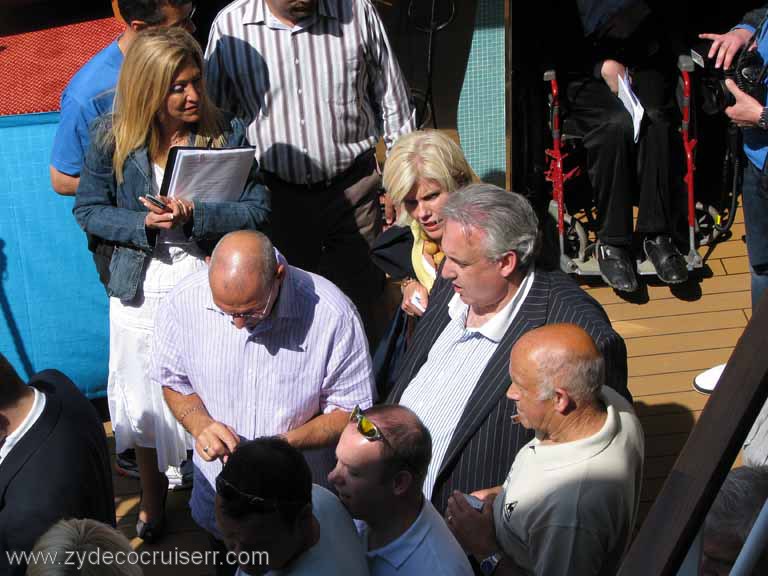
(668, 262)
(125, 464)
(616, 267)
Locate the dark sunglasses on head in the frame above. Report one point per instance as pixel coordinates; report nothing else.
(232, 493)
(368, 429)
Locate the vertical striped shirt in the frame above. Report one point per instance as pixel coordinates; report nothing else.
(314, 96)
(439, 392)
(310, 356)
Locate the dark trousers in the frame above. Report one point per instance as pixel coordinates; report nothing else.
(754, 195)
(620, 171)
(328, 229)
(223, 568)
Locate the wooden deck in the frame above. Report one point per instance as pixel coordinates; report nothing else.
(672, 334)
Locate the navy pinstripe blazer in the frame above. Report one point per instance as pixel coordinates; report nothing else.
(486, 441)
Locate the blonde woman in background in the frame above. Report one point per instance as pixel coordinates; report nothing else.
(83, 548)
(160, 102)
(422, 169)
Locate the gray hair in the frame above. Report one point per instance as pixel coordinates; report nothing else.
(507, 218)
(84, 537)
(582, 377)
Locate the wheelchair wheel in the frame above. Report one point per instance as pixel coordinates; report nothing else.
(575, 245)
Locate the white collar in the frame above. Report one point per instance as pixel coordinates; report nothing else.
(564, 454)
(38, 405)
(273, 22)
(494, 328)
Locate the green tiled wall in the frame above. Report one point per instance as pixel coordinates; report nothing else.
(481, 104)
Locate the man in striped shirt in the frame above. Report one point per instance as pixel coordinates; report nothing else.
(454, 374)
(318, 84)
(255, 347)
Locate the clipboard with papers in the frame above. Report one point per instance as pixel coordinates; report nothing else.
(207, 174)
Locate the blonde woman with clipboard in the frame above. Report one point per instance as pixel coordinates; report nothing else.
(160, 102)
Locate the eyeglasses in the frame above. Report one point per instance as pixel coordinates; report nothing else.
(258, 316)
(368, 429)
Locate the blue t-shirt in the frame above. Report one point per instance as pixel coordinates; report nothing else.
(88, 95)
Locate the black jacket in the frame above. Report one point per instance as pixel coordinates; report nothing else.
(59, 469)
(486, 441)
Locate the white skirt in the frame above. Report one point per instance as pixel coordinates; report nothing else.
(140, 416)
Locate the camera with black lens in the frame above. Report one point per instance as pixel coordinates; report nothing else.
(748, 71)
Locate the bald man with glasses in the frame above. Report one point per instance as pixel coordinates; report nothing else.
(256, 347)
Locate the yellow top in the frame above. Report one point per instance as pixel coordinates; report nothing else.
(422, 244)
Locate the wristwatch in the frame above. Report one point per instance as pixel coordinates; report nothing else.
(488, 565)
(762, 123)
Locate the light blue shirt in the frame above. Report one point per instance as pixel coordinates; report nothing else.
(338, 552)
(426, 548)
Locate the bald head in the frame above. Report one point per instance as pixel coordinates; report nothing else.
(564, 356)
(242, 266)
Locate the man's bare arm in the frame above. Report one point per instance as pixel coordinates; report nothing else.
(63, 184)
(323, 430)
(212, 439)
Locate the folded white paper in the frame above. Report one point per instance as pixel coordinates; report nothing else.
(631, 103)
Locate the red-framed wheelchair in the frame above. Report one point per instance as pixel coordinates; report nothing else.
(709, 218)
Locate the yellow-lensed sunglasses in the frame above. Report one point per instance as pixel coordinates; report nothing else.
(368, 429)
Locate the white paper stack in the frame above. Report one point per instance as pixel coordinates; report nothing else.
(213, 175)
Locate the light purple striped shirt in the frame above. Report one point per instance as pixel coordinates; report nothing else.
(310, 356)
(314, 96)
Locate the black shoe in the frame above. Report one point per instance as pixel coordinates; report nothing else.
(669, 263)
(616, 267)
(125, 464)
(152, 531)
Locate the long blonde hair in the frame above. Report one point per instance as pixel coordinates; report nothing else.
(153, 60)
(427, 154)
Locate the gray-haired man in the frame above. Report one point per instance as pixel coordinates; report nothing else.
(575, 488)
(490, 293)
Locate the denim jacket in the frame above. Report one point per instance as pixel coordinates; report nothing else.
(112, 211)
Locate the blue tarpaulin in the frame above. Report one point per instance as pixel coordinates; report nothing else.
(53, 309)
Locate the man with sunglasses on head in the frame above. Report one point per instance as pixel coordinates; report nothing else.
(256, 347)
(382, 460)
(274, 520)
